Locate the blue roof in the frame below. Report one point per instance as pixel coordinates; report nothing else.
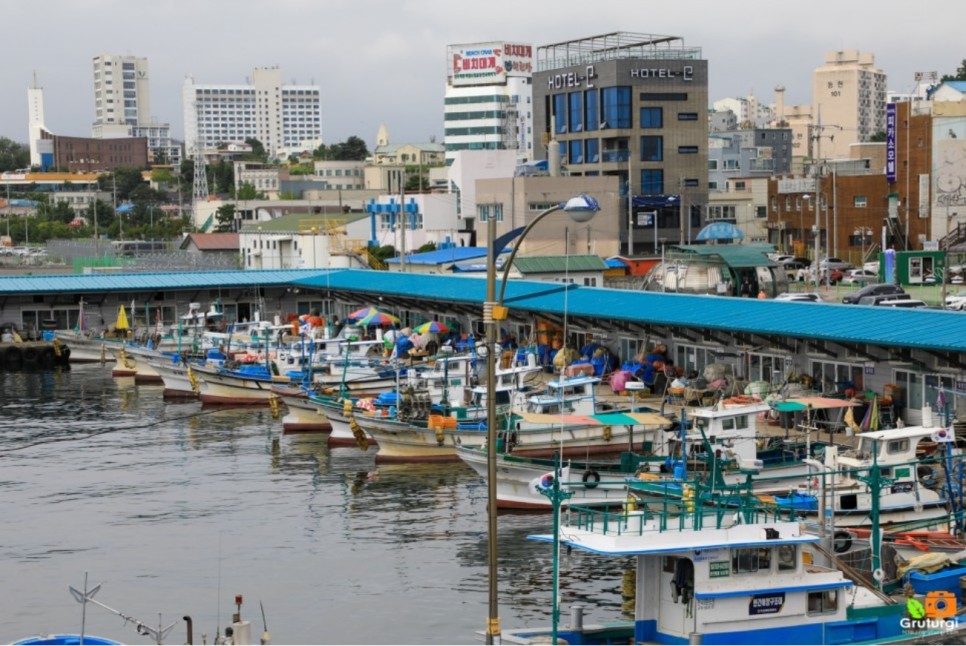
(115, 282)
(905, 328)
(442, 256)
(920, 328)
(616, 263)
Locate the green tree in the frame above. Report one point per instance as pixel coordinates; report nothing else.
(124, 180)
(959, 76)
(258, 150)
(225, 218)
(13, 156)
(352, 149)
(247, 191)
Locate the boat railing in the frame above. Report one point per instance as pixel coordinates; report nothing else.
(686, 512)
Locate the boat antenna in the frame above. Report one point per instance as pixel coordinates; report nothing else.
(87, 596)
(266, 637)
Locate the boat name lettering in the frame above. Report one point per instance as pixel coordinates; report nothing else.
(686, 73)
(766, 604)
(903, 487)
(706, 555)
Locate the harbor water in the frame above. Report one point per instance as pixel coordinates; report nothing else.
(177, 508)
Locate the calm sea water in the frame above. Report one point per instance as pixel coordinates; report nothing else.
(176, 508)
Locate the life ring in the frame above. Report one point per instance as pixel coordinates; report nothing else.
(591, 479)
(842, 541)
(48, 358)
(31, 356)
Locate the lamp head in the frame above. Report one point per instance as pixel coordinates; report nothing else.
(582, 208)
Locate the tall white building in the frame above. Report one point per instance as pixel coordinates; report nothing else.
(122, 106)
(279, 116)
(41, 150)
(849, 93)
(488, 100)
(121, 91)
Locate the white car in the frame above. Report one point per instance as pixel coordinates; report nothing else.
(831, 264)
(860, 277)
(808, 297)
(956, 302)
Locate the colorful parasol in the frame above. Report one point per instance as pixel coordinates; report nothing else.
(371, 316)
(434, 327)
(121, 323)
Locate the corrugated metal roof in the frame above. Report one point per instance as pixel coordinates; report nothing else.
(909, 328)
(558, 264)
(85, 283)
(443, 256)
(912, 328)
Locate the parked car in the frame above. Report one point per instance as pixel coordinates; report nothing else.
(860, 277)
(876, 299)
(902, 302)
(956, 302)
(795, 260)
(875, 289)
(808, 297)
(834, 263)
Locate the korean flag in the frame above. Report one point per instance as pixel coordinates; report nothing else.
(944, 435)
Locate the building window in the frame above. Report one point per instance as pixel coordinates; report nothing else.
(652, 182)
(591, 110)
(687, 116)
(592, 150)
(652, 148)
(576, 114)
(616, 107)
(576, 152)
(484, 211)
(687, 150)
(652, 117)
(860, 201)
(559, 113)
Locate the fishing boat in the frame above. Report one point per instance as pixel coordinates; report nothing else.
(238, 632)
(720, 438)
(443, 378)
(894, 475)
(715, 575)
(432, 420)
(302, 414)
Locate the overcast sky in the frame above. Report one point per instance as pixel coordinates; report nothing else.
(384, 62)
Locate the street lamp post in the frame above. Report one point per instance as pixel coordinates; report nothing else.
(580, 208)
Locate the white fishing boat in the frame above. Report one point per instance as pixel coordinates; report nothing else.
(890, 474)
(429, 429)
(721, 576)
(242, 385)
(722, 437)
(237, 632)
(302, 414)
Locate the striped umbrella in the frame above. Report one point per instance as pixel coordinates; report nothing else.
(434, 327)
(371, 316)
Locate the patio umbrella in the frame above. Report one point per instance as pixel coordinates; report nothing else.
(434, 327)
(121, 323)
(371, 316)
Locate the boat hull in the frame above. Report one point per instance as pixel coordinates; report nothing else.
(231, 389)
(303, 415)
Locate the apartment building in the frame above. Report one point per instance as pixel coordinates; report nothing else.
(488, 99)
(263, 108)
